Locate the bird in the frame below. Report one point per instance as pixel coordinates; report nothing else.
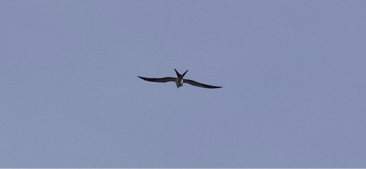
(179, 80)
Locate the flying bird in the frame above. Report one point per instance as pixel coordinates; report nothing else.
(179, 81)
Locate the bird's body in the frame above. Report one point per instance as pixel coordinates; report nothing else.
(179, 81)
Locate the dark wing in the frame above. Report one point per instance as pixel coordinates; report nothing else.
(161, 80)
(194, 83)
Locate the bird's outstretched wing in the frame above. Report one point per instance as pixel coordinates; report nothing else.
(161, 80)
(194, 83)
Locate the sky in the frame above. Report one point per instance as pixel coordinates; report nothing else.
(293, 76)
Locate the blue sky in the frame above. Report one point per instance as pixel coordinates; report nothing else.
(293, 77)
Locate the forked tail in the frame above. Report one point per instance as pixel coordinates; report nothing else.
(179, 75)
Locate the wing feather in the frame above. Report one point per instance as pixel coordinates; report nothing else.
(161, 80)
(194, 83)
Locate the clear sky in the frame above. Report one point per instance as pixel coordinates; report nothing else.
(293, 76)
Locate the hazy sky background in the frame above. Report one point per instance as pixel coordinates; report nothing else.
(293, 76)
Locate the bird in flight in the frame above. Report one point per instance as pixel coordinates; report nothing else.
(179, 81)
